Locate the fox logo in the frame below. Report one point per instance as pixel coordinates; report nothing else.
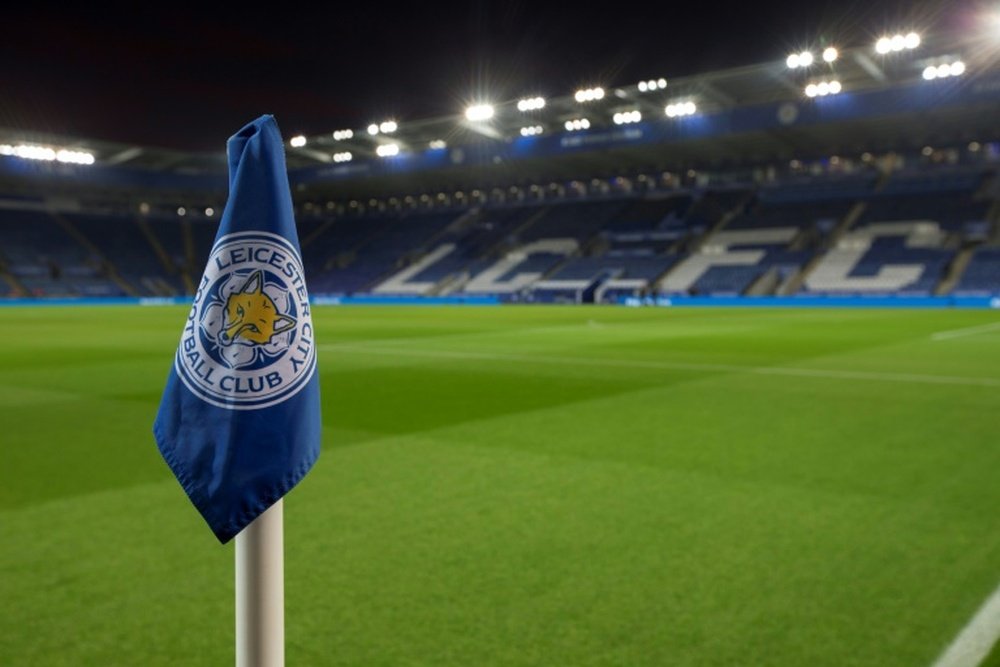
(252, 316)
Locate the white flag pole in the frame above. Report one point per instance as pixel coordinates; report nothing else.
(260, 592)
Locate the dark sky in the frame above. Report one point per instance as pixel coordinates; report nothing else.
(173, 76)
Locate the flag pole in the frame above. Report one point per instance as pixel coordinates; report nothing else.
(260, 592)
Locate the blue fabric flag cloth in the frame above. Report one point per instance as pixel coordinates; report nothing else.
(239, 422)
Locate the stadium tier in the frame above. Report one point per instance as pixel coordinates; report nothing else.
(919, 232)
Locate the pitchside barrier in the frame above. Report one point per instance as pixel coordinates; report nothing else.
(811, 301)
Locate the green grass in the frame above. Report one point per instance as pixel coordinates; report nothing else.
(525, 486)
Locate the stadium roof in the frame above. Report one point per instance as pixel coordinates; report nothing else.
(361, 162)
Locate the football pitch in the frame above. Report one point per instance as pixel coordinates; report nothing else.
(553, 486)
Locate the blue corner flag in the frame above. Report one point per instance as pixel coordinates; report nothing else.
(239, 422)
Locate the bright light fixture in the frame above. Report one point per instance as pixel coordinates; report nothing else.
(626, 117)
(830, 54)
(577, 124)
(531, 104)
(823, 88)
(944, 70)
(651, 85)
(532, 130)
(897, 42)
(387, 150)
(343, 157)
(796, 60)
(297, 141)
(589, 94)
(479, 112)
(341, 135)
(680, 109)
(47, 154)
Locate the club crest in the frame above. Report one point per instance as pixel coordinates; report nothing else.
(248, 342)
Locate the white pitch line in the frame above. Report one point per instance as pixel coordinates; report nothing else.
(974, 642)
(967, 331)
(832, 374)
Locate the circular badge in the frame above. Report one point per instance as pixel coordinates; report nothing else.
(248, 342)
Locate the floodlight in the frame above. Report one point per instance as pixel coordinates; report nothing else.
(297, 141)
(387, 150)
(74, 157)
(823, 88)
(373, 129)
(589, 94)
(626, 117)
(388, 127)
(343, 157)
(479, 112)
(830, 54)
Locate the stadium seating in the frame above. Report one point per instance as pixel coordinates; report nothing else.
(858, 233)
(982, 275)
(907, 236)
(121, 240)
(47, 261)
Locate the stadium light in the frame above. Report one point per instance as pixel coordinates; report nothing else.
(181, 211)
(797, 60)
(47, 154)
(944, 70)
(678, 109)
(479, 112)
(577, 124)
(898, 42)
(209, 212)
(589, 94)
(532, 130)
(343, 157)
(531, 104)
(373, 129)
(297, 141)
(830, 54)
(387, 150)
(652, 85)
(626, 117)
(823, 88)
(437, 145)
(341, 135)
(388, 127)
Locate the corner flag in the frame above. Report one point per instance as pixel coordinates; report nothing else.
(239, 422)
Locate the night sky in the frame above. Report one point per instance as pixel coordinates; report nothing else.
(188, 77)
